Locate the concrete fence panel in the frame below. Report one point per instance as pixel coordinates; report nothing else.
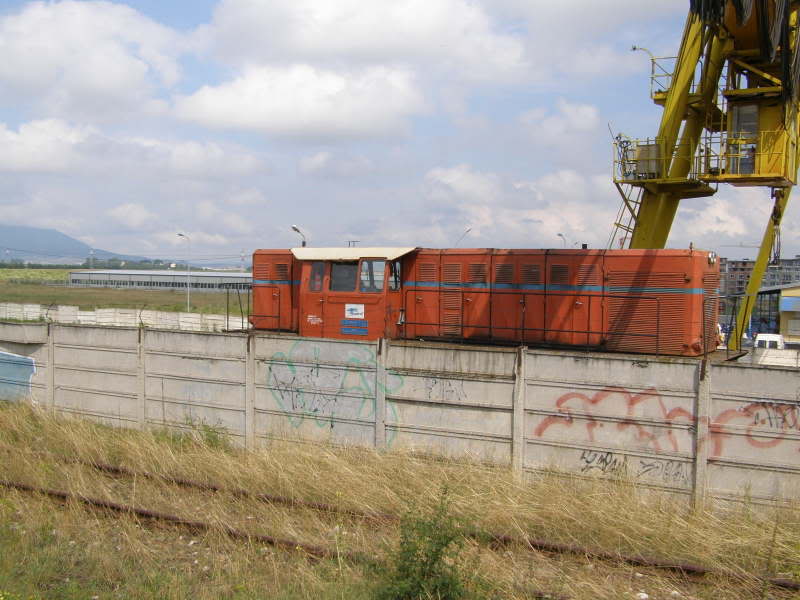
(95, 373)
(611, 416)
(727, 431)
(452, 400)
(195, 379)
(24, 366)
(318, 390)
(754, 438)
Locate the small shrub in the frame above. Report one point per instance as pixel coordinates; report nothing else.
(426, 565)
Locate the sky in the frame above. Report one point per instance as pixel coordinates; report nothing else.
(389, 122)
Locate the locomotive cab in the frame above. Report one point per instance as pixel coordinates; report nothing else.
(350, 293)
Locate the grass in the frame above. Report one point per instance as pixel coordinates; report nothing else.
(91, 298)
(49, 550)
(34, 275)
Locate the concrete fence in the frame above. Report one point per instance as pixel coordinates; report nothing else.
(121, 317)
(726, 431)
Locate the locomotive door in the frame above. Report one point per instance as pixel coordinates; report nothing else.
(267, 294)
(573, 310)
(422, 302)
(476, 310)
(312, 298)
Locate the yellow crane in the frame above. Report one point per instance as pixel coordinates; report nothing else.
(730, 102)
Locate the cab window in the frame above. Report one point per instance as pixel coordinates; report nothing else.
(343, 276)
(317, 273)
(394, 275)
(371, 280)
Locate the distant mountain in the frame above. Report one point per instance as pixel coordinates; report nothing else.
(33, 244)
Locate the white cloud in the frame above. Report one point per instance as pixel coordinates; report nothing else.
(133, 216)
(198, 238)
(55, 146)
(573, 39)
(569, 129)
(247, 197)
(328, 164)
(87, 59)
(307, 101)
(453, 35)
(502, 212)
(45, 145)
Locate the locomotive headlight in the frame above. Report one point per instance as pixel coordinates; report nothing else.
(712, 258)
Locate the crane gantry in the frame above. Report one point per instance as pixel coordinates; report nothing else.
(730, 115)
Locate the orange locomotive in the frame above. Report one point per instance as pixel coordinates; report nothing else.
(643, 301)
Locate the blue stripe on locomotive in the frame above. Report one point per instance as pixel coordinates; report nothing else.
(558, 287)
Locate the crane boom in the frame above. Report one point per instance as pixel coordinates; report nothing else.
(730, 115)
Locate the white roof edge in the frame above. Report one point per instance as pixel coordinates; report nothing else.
(355, 253)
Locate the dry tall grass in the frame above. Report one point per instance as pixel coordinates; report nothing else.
(70, 552)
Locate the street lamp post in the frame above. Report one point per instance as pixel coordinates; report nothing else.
(296, 229)
(188, 277)
(563, 238)
(463, 235)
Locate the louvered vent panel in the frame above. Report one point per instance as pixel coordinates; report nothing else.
(426, 272)
(451, 274)
(559, 274)
(636, 279)
(451, 324)
(477, 273)
(710, 309)
(531, 274)
(650, 319)
(261, 271)
(451, 301)
(504, 273)
(588, 275)
(282, 272)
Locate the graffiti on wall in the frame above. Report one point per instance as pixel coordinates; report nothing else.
(572, 405)
(16, 373)
(615, 464)
(755, 426)
(305, 389)
(764, 424)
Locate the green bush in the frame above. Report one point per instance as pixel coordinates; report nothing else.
(427, 563)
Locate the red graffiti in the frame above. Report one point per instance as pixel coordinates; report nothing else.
(757, 420)
(753, 418)
(632, 401)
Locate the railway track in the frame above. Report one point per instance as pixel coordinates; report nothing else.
(315, 551)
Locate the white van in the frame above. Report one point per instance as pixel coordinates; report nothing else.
(770, 340)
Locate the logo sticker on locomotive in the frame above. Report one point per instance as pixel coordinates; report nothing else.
(353, 311)
(314, 320)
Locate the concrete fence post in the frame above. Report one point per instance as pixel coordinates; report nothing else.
(141, 380)
(380, 393)
(518, 413)
(51, 367)
(702, 413)
(250, 393)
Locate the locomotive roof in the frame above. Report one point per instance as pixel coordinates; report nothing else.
(354, 253)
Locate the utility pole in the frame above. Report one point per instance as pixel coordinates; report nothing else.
(188, 279)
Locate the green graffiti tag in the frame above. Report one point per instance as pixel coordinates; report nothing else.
(307, 389)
